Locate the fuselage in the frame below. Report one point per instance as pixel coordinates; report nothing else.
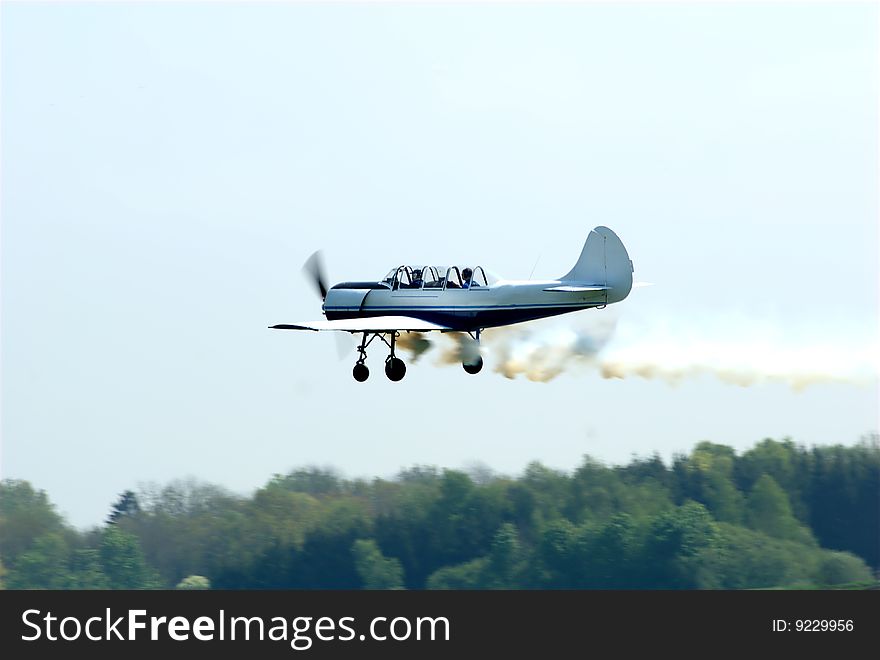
(500, 303)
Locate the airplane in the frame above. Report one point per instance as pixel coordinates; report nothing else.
(463, 300)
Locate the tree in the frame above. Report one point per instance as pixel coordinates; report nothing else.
(469, 575)
(557, 554)
(462, 520)
(550, 490)
(326, 560)
(678, 547)
(709, 480)
(375, 570)
(86, 571)
(123, 562)
(788, 464)
(768, 511)
(43, 566)
(612, 560)
(312, 480)
(747, 559)
(126, 505)
(843, 502)
(841, 568)
(192, 582)
(505, 559)
(25, 515)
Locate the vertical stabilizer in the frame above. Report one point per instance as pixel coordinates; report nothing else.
(604, 262)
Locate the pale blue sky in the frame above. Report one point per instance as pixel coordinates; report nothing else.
(167, 168)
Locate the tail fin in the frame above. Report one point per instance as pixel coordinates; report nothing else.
(604, 261)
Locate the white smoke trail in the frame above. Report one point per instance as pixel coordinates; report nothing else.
(739, 351)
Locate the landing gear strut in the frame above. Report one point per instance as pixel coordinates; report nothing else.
(360, 371)
(395, 369)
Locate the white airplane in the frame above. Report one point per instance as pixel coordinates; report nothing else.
(464, 300)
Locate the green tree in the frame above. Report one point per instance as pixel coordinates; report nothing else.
(86, 571)
(375, 570)
(193, 582)
(469, 575)
(126, 505)
(788, 464)
(747, 559)
(557, 554)
(550, 489)
(505, 569)
(212, 529)
(122, 561)
(43, 566)
(842, 568)
(462, 520)
(710, 481)
(25, 515)
(842, 498)
(679, 547)
(326, 558)
(612, 555)
(768, 511)
(401, 527)
(314, 481)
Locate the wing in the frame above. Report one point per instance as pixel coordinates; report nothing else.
(374, 324)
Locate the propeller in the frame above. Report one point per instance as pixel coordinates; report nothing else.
(314, 268)
(317, 273)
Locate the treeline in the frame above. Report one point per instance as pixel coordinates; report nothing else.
(779, 515)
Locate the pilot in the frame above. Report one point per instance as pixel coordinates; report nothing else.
(417, 279)
(467, 281)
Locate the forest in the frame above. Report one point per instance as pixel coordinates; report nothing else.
(778, 515)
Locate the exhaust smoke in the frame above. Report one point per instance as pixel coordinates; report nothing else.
(738, 351)
(413, 342)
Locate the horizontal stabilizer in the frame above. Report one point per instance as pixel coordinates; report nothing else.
(374, 324)
(578, 289)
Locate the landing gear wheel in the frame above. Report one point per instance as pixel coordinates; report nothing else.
(473, 367)
(395, 369)
(360, 372)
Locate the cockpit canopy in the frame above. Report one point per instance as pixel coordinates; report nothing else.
(439, 277)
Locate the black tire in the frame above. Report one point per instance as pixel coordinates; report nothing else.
(360, 372)
(473, 367)
(395, 369)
